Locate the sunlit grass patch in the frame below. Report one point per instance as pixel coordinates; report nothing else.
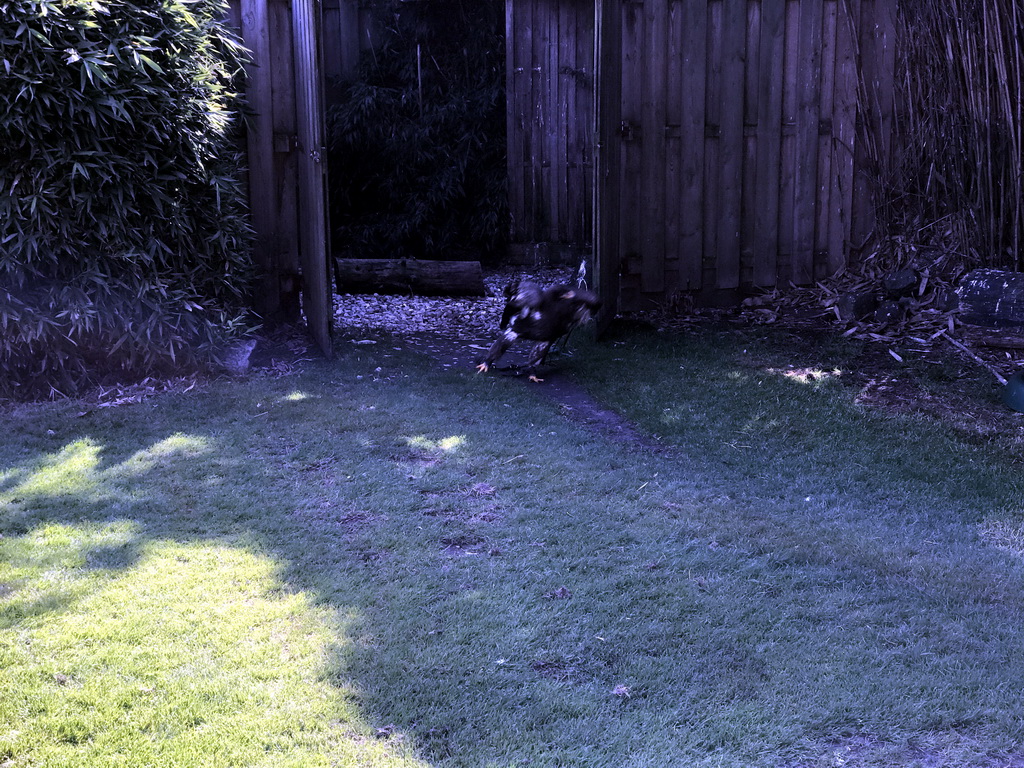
(54, 565)
(87, 474)
(72, 471)
(441, 446)
(188, 446)
(194, 654)
(77, 469)
(806, 375)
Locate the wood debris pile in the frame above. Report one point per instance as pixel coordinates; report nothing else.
(127, 394)
(907, 302)
(911, 308)
(915, 302)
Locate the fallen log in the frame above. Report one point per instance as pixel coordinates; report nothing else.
(1002, 342)
(410, 276)
(992, 297)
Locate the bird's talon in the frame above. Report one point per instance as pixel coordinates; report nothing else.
(534, 379)
(483, 368)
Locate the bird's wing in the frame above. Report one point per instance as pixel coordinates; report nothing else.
(524, 297)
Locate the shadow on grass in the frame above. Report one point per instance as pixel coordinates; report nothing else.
(534, 594)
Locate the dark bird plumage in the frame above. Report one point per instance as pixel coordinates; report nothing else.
(541, 315)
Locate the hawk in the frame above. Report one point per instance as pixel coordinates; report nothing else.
(541, 315)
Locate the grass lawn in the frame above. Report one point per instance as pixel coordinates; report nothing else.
(376, 563)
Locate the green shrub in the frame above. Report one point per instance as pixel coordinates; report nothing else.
(417, 139)
(124, 243)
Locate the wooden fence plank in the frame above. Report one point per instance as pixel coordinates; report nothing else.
(567, 114)
(751, 199)
(317, 289)
(516, 79)
(788, 146)
(285, 127)
(260, 141)
(533, 113)
(514, 125)
(344, 37)
(548, 57)
(808, 73)
(538, 221)
(769, 142)
(752, 60)
(581, 177)
(607, 155)
(332, 36)
(733, 47)
(652, 141)
(826, 83)
(531, 131)
(692, 85)
(877, 43)
(352, 41)
(844, 136)
(632, 26)
(673, 145)
(712, 145)
(863, 213)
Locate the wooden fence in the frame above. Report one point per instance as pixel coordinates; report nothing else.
(734, 134)
(286, 174)
(740, 127)
(550, 90)
(347, 32)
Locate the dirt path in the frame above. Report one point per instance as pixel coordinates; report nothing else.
(457, 333)
(573, 401)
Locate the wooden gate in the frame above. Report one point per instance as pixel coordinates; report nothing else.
(739, 148)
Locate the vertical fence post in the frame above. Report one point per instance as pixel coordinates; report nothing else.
(316, 285)
(607, 158)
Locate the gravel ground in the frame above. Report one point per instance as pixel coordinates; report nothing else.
(466, 318)
(455, 331)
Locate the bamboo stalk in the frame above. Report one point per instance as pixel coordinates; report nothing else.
(959, 132)
(987, 366)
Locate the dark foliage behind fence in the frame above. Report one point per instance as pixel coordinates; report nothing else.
(123, 237)
(417, 138)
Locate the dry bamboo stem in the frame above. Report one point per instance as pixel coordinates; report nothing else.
(974, 357)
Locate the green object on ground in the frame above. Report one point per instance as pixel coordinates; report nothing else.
(1013, 392)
